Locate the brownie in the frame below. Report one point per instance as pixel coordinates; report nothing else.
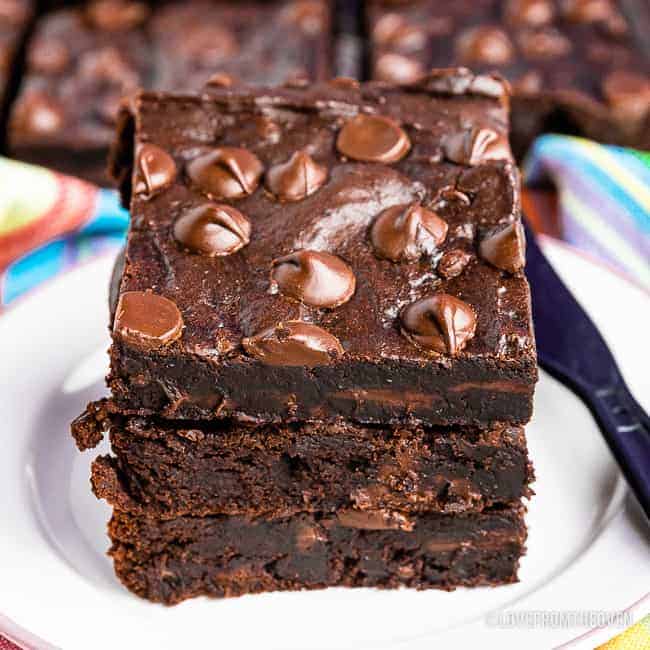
(339, 250)
(165, 469)
(82, 60)
(170, 561)
(15, 17)
(577, 66)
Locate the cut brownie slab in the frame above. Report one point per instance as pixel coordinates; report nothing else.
(82, 60)
(164, 469)
(575, 65)
(170, 561)
(322, 252)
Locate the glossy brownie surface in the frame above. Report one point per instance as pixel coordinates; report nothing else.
(170, 561)
(439, 331)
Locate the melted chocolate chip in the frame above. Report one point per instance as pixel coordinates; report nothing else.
(147, 320)
(485, 44)
(374, 520)
(213, 229)
(440, 322)
(475, 146)
(544, 44)
(345, 82)
(392, 31)
(226, 172)
(207, 44)
(534, 13)
(453, 263)
(220, 80)
(398, 68)
(628, 94)
(315, 278)
(308, 15)
(116, 15)
(14, 12)
(373, 138)
(38, 114)
(156, 170)
(406, 232)
(505, 248)
(587, 11)
(296, 178)
(294, 343)
(48, 56)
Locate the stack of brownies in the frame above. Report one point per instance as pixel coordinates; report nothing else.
(322, 354)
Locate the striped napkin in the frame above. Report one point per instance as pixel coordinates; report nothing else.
(603, 198)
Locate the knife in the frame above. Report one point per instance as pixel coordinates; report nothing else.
(571, 349)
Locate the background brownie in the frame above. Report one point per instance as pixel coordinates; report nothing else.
(575, 65)
(256, 235)
(15, 16)
(165, 469)
(83, 59)
(170, 561)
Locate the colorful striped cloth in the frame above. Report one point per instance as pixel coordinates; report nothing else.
(603, 198)
(49, 223)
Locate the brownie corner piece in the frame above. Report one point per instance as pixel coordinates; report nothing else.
(324, 251)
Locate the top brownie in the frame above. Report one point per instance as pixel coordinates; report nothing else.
(339, 250)
(575, 65)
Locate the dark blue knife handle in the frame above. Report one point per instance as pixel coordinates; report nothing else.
(624, 423)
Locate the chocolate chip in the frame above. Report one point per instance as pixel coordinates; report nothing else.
(37, 113)
(628, 94)
(543, 44)
(391, 30)
(530, 82)
(109, 65)
(534, 13)
(440, 322)
(220, 80)
(308, 15)
(207, 44)
(294, 343)
(226, 172)
(477, 145)
(587, 11)
(453, 263)
(485, 44)
(307, 537)
(147, 320)
(505, 247)
(398, 69)
(373, 138)
(213, 229)
(374, 520)
(14, 12)
(297, 178)
(406, 232)
(156, 170)
(345, 82)
(48, 56)
(267, 129)
(315, 278)
(116, 15)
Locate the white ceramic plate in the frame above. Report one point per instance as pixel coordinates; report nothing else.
(587, 550)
